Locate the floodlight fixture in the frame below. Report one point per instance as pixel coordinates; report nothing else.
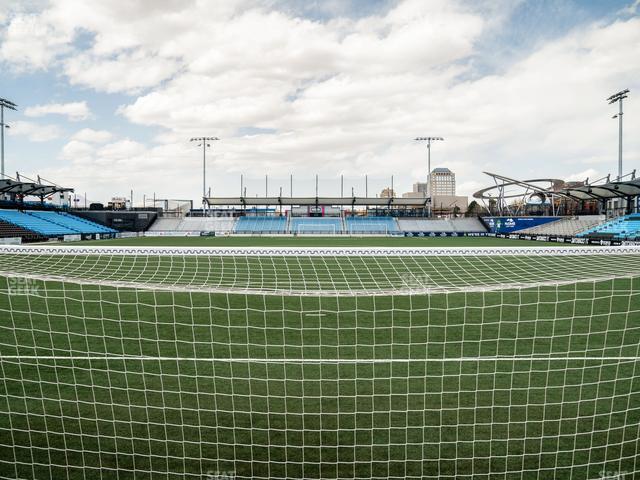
(204, 142)
(428, 140)
(618, 97)
(4, 103)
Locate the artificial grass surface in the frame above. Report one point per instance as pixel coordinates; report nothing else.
(134, 382)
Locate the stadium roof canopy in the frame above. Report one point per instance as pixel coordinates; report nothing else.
(595, 191)
(603, 191)
(17, 187)
(316, 201)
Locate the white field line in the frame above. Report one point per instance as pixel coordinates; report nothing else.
(316, 251)
(314, 360)
(371, 292)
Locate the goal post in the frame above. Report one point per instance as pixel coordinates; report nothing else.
(368, 228)
(319, 362)
(316, 228)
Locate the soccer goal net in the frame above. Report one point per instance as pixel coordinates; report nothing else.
(148, 363)
(361, 228)
(316, 228)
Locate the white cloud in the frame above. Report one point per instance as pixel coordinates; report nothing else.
(589, 173)
(33, 42)
(34, 132)
(74, 111)
(77, 151)
(121, 150)
(115, 168)
(345, 95)
(125, 72)
(88, 135)
(529, 121)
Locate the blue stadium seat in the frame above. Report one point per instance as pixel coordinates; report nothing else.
(35, 224)
(261, 225)
(371, 224)
(77, 224)
(52, 224)
(625, 227)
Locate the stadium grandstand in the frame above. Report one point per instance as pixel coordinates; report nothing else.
(28, 221)
(625, 227)
(261, 225)
(257, 225)
(438, 225)
(546, 209)
(193, 224)
(544, 219)
(596, 212)
(566, 226)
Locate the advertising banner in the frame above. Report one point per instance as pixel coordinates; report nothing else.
(513, 224)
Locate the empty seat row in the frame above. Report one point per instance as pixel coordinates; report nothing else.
(625, 227)
(77, 224)
(371, 224)
(10, 230)
(194, 224)
(470, 225)
(52, 224)
(567, 226)
(318, 225)
(261, 225)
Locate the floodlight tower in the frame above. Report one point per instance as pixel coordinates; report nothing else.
(4, 103)
(204, 142)
(617, 97)
(429, 140)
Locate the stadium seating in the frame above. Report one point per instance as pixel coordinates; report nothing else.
(470, 225)
(371, 224)
(163, 224)
(261, 225)
(568, 226)
(10, 230)
(194, 224)
(625, 227)
(316, 225)
(35, 224)
(79, 225)
(52, 224)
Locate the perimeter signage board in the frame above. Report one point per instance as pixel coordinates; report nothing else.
(512, 224)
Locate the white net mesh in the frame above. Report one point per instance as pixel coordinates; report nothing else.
(319, 363)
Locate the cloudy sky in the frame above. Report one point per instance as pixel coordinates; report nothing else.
(110, 92)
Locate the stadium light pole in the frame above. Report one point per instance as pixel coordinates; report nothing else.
(204, 142)
(429, 140)
(617, 97)
(4, 103)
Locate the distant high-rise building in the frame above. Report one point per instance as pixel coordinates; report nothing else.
(443, 182)
(387, 193)
(421, 187)
(442, 194)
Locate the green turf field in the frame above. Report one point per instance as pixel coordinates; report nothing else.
(303, 366)
(310, 241)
